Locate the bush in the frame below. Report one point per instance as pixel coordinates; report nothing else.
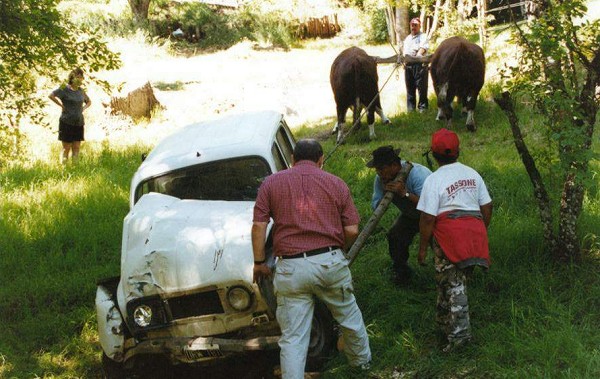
(272, 28)
(208, 26)
(111, 19)
(377, 31)
(374, 21)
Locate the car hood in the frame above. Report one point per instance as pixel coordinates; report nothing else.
(172, 245)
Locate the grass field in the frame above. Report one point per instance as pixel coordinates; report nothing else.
(60, 231)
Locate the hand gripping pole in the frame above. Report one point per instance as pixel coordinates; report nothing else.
(376, 216)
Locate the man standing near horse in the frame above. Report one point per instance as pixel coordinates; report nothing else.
(416, 74)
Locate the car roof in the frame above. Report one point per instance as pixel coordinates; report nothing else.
(228, 137)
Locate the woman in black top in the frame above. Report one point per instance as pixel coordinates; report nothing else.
(73, 100)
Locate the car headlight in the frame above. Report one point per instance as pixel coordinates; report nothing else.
(142, 315)
(239, 298)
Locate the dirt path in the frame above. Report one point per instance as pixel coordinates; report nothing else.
(294, 82)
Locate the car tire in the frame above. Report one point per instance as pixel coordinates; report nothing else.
(112, 369)
(323, 338)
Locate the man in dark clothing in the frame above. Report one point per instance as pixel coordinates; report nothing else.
(388, 164)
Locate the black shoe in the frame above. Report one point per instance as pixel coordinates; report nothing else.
(401, 281)
(402, 276)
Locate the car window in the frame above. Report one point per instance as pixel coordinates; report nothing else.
(280, 163)
(284, 143)
(231, 180)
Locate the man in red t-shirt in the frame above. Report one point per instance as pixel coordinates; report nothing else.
(314, 219)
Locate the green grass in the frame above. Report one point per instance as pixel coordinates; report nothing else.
(60, 231)
(530, 316)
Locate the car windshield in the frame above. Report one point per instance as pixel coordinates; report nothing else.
(231, 180)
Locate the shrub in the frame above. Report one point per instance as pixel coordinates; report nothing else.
(208, 26)
(273, 28)
(110, 19)
(377, 31)
(374, 21)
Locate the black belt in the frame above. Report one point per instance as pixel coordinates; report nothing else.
(310, 253)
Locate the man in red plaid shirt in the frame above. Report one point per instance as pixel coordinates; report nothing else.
(314, 219)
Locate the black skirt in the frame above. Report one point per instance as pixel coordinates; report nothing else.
(69, 133)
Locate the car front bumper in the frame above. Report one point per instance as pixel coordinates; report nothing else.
(199, 349)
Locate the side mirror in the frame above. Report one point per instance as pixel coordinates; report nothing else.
(144, 155)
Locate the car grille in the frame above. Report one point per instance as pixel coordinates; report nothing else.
(199, 354)
(199, 304)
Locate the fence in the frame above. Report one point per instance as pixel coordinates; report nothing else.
(324, 27)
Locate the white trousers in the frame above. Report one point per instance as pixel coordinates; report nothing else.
(297, 282)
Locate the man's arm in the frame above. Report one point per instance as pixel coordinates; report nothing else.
(486, 212)
(377, 193)
(426, 224)
(350, 234)
(259, 237)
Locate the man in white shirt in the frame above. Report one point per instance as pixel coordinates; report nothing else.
(416, 74)
(456, 210)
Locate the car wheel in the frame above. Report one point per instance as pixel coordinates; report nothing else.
(112, 369)
(323, 338)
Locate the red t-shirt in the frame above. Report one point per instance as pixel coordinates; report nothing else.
(309, 207)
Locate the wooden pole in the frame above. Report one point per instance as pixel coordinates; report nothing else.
(376, 216)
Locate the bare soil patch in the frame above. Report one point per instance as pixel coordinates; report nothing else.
(242, 78)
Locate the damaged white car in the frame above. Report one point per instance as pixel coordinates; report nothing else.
(185, 290)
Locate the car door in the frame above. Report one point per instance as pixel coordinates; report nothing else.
(283, 147)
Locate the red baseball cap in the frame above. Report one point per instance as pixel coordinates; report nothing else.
(415, 20)
(445, 142)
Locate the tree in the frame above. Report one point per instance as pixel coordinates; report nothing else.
(558, 70)
(37, 41)
(140, 8)
(397, 19)
(443, 17)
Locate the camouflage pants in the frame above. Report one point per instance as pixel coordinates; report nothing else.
(452, 305)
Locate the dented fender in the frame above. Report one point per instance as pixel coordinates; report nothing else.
(110, 324)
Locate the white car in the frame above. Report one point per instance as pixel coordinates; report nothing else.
(185, 291)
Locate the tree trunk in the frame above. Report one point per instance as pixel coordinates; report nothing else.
(567, 247)
(436, 17)
(481, 9)
(140, 8)
(390, 18)
(534, 9)
(402, 24)
(573, 189)
(448, 8)
(506, 103)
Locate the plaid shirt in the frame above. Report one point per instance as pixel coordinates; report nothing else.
(309, 207)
